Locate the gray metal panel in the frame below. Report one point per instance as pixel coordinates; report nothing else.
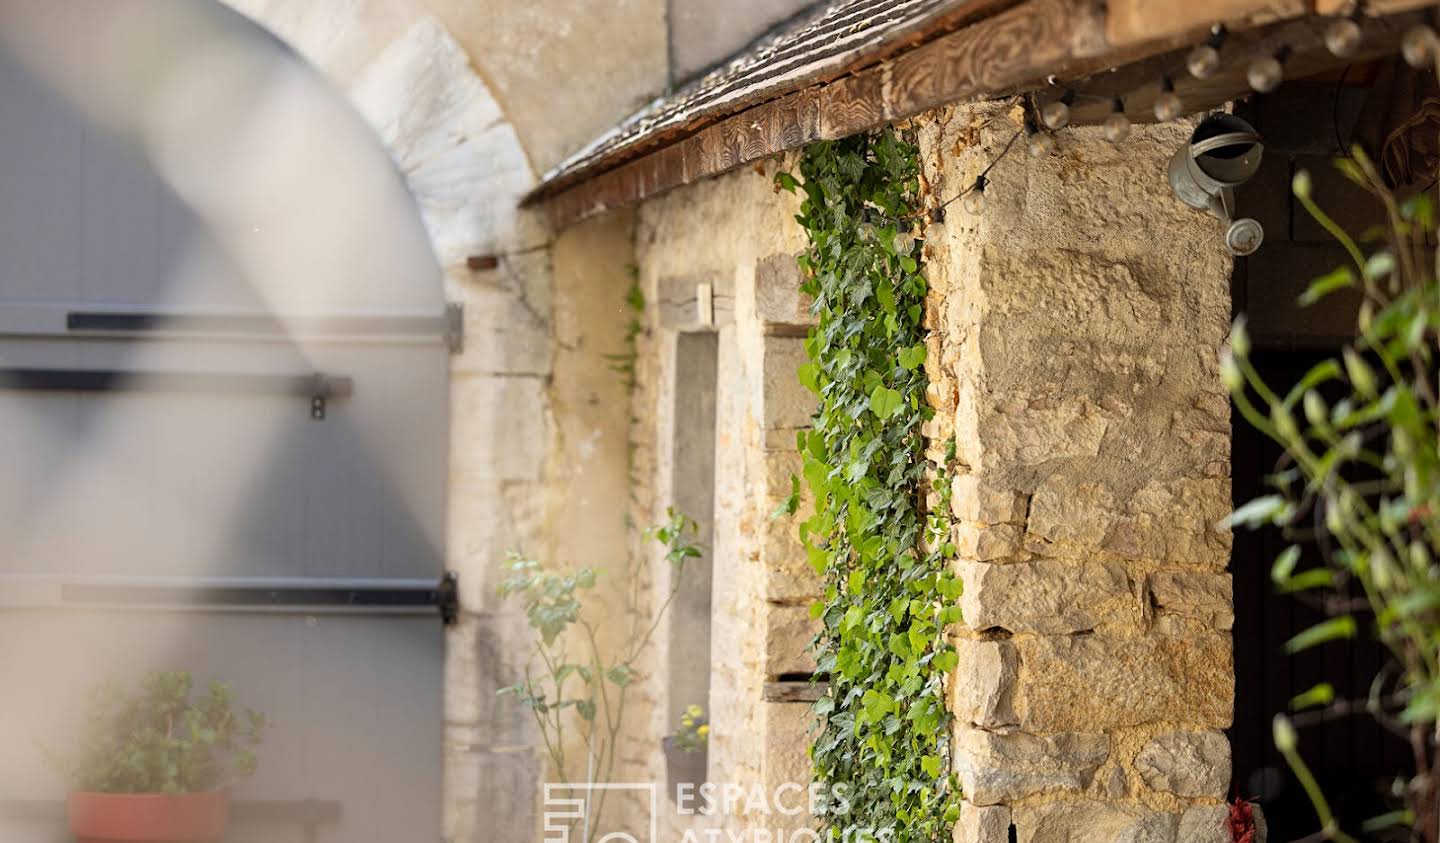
(304, 219)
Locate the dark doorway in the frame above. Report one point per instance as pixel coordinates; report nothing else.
(1352, 757)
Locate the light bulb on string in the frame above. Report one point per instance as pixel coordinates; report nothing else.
(1040, 143)
(1167, 105)
(936, 230)
(1056, 113)
(1267, 72)
(1418, 46)
(1343, 35)
(974, 201)
(1204, 60)
(1116, 126)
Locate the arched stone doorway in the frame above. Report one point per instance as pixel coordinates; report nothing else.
(464, 168)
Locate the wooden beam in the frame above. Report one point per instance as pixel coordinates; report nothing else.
(1372, 7)
(737, 94)
(1137, 21)
(790, 692)
(1012, 51)
(1138, 82)
(1013, 48)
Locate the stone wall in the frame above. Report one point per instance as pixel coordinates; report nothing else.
(1076, 324)
(736, 236)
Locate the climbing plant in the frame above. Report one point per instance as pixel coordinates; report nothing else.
(889, 591)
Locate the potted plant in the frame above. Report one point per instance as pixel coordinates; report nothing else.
(685, 751)
(155, 764)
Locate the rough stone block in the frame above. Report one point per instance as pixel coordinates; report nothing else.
(1165, 521)
(1046, 596)
(1175, 521)
(982, 824)
(1030, 434)
(788, 575)
(778, 299)
(1092, 822)
(1189, 764)
(996, 768)
(1201, 596)
(789, 731)
(1067, 514)
(984, 543)
(982, 691)
(974, 499)
(788, 631)
(787, 403)
(1100, 681)
(1204, 824)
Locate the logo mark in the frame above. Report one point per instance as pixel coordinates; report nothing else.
(565, 811)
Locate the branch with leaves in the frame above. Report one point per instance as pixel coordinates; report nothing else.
(588, 692)
(1361, 477)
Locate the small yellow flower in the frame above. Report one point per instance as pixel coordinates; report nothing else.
(703, 731)
(694, 711)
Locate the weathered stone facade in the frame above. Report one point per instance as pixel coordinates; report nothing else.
(1075, 363)
(736, 235)
(1073, 356)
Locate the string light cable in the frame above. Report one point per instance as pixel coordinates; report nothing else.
(1342, 36)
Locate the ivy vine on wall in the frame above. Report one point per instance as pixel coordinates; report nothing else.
(889, 588)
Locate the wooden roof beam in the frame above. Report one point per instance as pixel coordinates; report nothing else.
(1014, 50)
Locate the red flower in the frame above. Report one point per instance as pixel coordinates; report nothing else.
(1241, 822)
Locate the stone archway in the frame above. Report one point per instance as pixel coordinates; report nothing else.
(465, 166)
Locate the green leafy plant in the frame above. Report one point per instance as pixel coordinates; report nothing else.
(693, 733)
(587, 694)
(160, 739)
(889, 589)
(1361, 477)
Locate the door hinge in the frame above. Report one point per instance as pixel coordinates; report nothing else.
(448, 598)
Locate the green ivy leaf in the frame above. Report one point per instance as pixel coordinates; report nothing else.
(911, 358)
(885, 402)
(888, 590)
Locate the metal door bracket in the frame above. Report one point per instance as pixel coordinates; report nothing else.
(318, 387)
(448, 598)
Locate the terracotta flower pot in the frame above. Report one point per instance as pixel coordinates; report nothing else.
(153, 817)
